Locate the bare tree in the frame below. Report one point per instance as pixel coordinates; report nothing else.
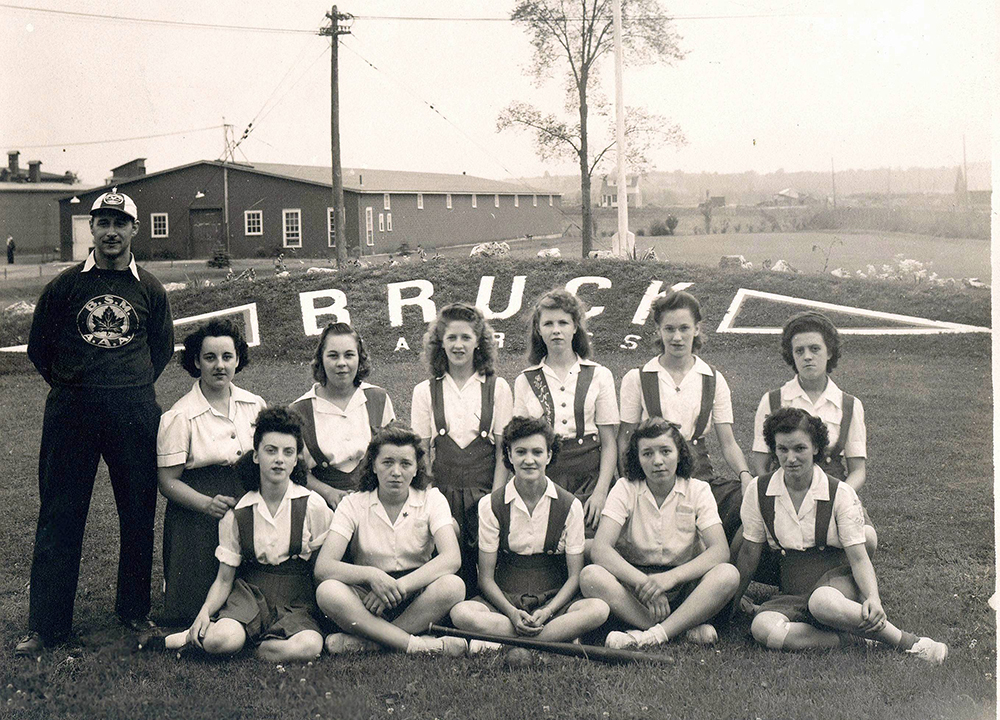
(575, 35)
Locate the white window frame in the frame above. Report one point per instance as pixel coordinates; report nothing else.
(474, 200)
(534, 201)
(447, 201)
(550, 201)
(496, 201)
(289, 239)
(388, 222)
(385, 201)
(331, 228)
(153, 218)
(517, 200)
(381, 222)
(253, 215)
(420, 201)
(369, 227)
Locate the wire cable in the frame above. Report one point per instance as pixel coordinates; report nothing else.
(115, 140)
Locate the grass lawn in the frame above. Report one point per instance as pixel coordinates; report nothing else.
(928, 405)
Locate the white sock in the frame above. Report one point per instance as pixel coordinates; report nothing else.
(424, 644)
(654, 636)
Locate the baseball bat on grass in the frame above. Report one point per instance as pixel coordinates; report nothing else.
(587, 652)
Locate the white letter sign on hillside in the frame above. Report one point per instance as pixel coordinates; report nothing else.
(923, 326)
(602, 283)
(422, 299)
(486, 294)
(248, 313)
(311, 313)
(652, 292)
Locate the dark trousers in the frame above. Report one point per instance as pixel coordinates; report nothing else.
(79, 428)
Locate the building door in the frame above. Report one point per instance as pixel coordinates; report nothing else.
(206, 232)
(83, 239)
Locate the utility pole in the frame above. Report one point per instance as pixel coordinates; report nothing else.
(228, 153)
(340, 24)
(833, 181)
(965, 173)
(623, 242)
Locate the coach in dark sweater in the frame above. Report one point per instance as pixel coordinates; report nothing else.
(101, 335)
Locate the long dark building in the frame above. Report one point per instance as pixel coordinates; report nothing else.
(261, 209)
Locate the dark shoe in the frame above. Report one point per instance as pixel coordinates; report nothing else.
(31, 645)
(139, 625)
(151, 643)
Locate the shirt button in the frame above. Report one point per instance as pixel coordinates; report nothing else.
(233, 436)
(565, 422)
(564, 404)
(562, 389)
(239, 452)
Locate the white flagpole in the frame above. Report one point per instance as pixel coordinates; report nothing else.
(622, 244)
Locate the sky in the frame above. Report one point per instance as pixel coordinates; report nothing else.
(763, 85)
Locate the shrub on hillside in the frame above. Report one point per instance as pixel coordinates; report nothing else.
(221, 258)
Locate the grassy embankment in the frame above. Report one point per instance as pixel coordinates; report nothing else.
(928, 404)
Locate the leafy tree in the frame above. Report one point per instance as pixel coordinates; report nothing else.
(574, 35)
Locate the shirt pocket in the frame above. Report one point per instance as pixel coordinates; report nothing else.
(684, 518)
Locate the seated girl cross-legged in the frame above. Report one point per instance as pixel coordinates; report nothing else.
(531, 540)
(828, 590)
(396, 586)
(660, 551)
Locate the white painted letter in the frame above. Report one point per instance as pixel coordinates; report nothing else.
(422, 298)
(401, 344)
(310, 312)
(652, 292)
(601, 282)
(631, 342)
(499, 336)
(486, 293)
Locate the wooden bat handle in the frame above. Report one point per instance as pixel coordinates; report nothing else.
(588, 652)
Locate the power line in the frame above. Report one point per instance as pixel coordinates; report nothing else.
(116, 140)
(405, 18)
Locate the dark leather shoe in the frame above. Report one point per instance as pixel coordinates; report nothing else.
(139, 625)
(31, 645)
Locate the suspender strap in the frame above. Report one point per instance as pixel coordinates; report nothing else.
(540, 386)
(650, 381)
(244, 524)
(707, 401)
(486, 406)
(583, 381)
(304, 409)
(375, 400)
(824, 513)
(501, 511)
(299, 505)
(558, 512)
(845, 426)
(824, 510)
(774, 401)
(766, 504)
(437, 405)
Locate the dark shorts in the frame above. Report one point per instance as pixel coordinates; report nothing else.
(389, 614)
(796, 607)
(529, 603)
(676, 595)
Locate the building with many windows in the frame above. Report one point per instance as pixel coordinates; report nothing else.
(261, 209)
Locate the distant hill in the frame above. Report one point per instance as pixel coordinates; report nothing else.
(749, 188)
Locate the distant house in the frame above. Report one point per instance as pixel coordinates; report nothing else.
(28, 208)
(261, 209)
(788, 196)
(609, 191)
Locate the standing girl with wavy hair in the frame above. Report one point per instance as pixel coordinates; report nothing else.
(341, 413)
(460, 414)
(576, 396)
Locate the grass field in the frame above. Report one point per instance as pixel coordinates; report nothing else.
(929, 410)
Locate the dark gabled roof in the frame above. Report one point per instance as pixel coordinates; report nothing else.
(365, 181)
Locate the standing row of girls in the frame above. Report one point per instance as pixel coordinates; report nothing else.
(460, 415)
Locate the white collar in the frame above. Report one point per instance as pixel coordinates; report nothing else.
(254, 497)
(700, 366)
(819, 488)
(510, 493)
(90, 263)
(322, 405)
(831, 393)
(200, 404)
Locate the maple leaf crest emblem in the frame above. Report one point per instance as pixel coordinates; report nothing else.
(109, 322)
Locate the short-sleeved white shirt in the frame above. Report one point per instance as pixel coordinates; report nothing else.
(343, 434)
(600, 406)
(680, 403)
(271, 534)
(405, 544)
(528, 530)
(797, 530)
(194, 434)
(668, 534)
(462, 408)
(829, 408)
